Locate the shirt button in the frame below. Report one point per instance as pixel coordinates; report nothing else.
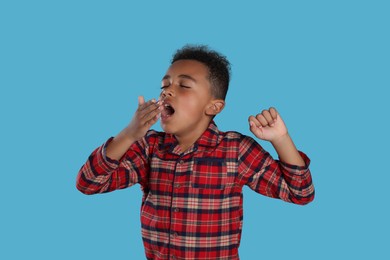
(176, 210)
(181, 161)
(177, 185)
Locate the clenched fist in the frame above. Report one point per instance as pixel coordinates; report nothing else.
(268, 125)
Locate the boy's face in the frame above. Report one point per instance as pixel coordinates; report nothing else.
(186, 95)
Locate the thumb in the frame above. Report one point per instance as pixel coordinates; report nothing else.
(141, 100)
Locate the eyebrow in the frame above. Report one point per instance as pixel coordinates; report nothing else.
(184, 76)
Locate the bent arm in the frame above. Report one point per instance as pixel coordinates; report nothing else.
(287, 151)
(101, 174)
(274, 178)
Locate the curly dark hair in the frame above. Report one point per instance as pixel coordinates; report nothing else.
(217, 64)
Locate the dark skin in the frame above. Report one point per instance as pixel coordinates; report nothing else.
(186, 88)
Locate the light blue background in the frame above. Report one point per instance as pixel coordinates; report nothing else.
(70, 74)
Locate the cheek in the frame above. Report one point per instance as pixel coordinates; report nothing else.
(191, 103)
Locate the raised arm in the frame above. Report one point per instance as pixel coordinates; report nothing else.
(269, 126)
(107, 168)
(146, 115)
(288, 178)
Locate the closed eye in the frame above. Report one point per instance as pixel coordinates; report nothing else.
(184, 86)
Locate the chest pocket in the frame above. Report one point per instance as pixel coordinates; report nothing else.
(209, 173)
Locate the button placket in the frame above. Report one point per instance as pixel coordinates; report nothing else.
(174, 209)
(180, 163)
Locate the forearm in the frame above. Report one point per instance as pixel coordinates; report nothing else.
(287, 151)
(273, 178)
(146, 115)
(119, 145)
(102, 174)
(94, 176)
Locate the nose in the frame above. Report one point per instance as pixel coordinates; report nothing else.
(167, 92)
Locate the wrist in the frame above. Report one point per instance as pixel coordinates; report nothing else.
(280, 140)
(287, 151)
(127, 136)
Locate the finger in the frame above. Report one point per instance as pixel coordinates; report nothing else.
(151, 114)
(141, 100)
(255, 126)
(149, 107)
(273, 113)
(141, 103)
(145, 105)
(262, 120)
(268, 117)
(253, 122)
(153, 120)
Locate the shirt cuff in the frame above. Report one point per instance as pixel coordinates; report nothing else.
(105, 162)
(295, 169)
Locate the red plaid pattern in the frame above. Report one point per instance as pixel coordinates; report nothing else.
(192, 204)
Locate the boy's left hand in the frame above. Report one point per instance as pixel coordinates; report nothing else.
(268, 125)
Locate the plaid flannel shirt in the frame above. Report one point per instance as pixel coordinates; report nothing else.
(192, 204)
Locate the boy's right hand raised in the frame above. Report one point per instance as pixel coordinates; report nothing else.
(146, 115)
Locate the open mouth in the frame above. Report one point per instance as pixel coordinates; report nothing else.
(167, 111)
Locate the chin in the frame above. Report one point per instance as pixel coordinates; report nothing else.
(166, 128)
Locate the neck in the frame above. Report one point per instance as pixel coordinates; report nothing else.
(187, 140)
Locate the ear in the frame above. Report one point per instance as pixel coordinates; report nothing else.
(215, 107)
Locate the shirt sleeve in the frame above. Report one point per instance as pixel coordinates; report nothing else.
(101, 174)
(273, 178)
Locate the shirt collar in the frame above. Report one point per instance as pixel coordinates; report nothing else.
(208, 139)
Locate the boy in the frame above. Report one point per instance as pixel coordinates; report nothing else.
(192, 174)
